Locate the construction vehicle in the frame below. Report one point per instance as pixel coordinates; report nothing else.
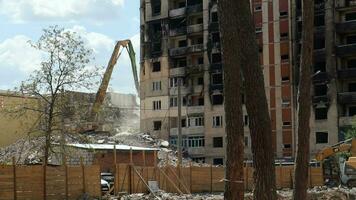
(92, 124)
(346, 168)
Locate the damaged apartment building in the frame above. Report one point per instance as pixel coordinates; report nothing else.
(180, 40)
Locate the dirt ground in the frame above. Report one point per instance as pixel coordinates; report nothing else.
(317, 193)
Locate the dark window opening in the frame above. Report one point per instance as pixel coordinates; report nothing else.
(287, 123)
(156, 7)
(285, 78)
(351, 39)
(218, 99)
(319, 20)
(216, 58)
(352, 87)
(218, 142)
(217, 79)
(285, 57)
(246, 141)
(246, 120)
(283, 14)
(287, 146)
(321, 113)
(200, 20)
(320, 66)
(157, 125)
(199, 160)
(350, 16)
(200, 60)
(352, 111)
(182, 43)
(284, 36)
(184, 122)
(320, 90)
(258, 8)
(214, 17)
(319, 43)
(215, 37)
(181, 62)
(156, 47)
(156, 67)
(218, 161)
(321, 137)
(351, 63)
(201, 101)
(201, 81)
(181, 4)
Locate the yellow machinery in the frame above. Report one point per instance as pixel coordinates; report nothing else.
(346, 168)
(92, 124)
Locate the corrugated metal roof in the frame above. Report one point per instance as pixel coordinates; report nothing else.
(111, 147)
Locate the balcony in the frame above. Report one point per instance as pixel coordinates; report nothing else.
(195, 9)
(195, 69)
(321, 77)
(178, 31)
(347, 73)
(346, 50)
(177, 12)
(196, 48)
(178, 51)
(195, 110)
(214, 27)
(346, 27)
(216, 66)
(347, 121)
(179, 71)
(188, 130)
(318, 99)
(347, 97)
(345, 4)
(196, 151)
(196, 28)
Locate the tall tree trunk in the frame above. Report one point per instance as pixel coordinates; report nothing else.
(239, 12)
(304, 102)
(234, 186)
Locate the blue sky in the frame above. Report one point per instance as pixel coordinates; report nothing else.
(99, 22)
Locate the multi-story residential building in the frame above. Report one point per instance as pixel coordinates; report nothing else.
(180, 40)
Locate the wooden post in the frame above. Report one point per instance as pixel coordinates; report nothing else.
(310, 178)
(246, 169)
(66, 176)
(83, 174)
(44, 179)
(131, 160)
(155, 158)
(211, 178)
(14, 176)
(143, 157)
(115, 169)
(190, 177)
(129, 179)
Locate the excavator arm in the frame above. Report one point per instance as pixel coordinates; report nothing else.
(345, 146)
(101, 94)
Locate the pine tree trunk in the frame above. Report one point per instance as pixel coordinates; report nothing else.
(234, 186)
(304, 102)
(246, 53)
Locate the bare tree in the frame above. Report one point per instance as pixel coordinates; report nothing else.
(304, 102)
(234, 186)
(246, 52)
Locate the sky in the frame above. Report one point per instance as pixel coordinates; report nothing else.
(99, 22)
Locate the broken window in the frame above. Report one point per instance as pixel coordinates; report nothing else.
(351, 63)
(285, 58)
(258, 30)
(321, 113)
(182, 43)
(180, 62)
(287, 146)
(319, 43)
(320, 90)
(351, 39)
(201, 61)
(321, 137)
(320, 66)
(350, 16)
(258, 8)
(352, 111)
(283, 14)
(218, 99)
(200, 80)
(216, 58)
(184, 122)
(319, 20)
(215, 37)
(214, 17)
(287, 123)
(218, 142)
(156, 7)
(217, 121)
(156, 105)
(157, 125)
(201, 101)
(285, 78)
(218, 161)
(284, 36)
(217, 79)
(352, 87)
(156, 66)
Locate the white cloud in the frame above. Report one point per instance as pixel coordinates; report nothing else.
(17, 53)
(26, 10)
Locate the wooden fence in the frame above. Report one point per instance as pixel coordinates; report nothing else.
(62, 182)
(192, 179)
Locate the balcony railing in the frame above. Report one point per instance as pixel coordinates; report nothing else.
(346, 27)
(196, 48)
(347, 73)
(178, 51)
(178, 31)
(196, 151)
(347, 97)
(195, 9)
(177, 12)
(179, 71)
(346, 50)
(196, 28)
(188, 130)
(195, 69)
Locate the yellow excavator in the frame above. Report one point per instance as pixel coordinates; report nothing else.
(92, 124)
(346, 167)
